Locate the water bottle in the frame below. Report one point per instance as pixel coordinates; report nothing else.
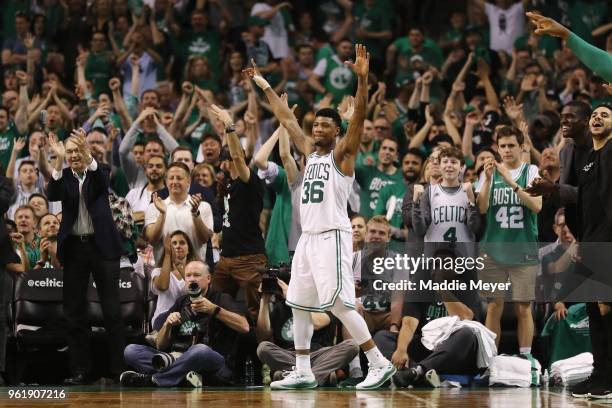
(545, 378)
(249, 372)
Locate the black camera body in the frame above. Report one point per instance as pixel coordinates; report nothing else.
(269, 284)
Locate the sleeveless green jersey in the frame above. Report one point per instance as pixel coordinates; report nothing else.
(339, 79)
(509, 221)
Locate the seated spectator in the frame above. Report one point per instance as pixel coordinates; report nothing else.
(48, 228)
(180, 211)
(274, 333)
(168, 279)
(203, 328)
(26, 238)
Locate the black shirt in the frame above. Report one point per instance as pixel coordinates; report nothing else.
(595, 196)
(243, 204)
(281, 318)
(210, 330)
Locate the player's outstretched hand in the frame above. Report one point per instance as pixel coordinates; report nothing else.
(548, 26)
(361, 67)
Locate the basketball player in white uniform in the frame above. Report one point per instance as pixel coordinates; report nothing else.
(321, 273)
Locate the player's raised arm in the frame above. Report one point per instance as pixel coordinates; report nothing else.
(347, 149)
(281, 110)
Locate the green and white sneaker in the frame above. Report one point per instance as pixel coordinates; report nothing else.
(377, 376)
(295, 380)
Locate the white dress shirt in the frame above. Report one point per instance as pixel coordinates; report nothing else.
(83, 224)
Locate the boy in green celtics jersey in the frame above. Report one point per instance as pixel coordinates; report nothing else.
(509, 244)
(372, 179)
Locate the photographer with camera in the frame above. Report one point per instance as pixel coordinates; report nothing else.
(202, 324)
(274, 333)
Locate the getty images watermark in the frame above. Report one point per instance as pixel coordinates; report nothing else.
(405, 264)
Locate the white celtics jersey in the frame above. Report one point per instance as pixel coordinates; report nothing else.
(324, 196)
(449, 214)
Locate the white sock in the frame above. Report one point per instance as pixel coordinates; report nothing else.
(302, 362)
(375, 357)
(354, 365)
(525, 350)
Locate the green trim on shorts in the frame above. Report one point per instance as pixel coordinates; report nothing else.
(306, 308)
(338, 274)
(347, 304)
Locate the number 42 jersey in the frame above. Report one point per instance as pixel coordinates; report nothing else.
(510, 221)
(324, 195)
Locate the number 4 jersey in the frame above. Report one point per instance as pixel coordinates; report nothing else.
(509, 221)
(325, 192)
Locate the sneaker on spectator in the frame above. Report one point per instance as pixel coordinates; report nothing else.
(295, 380)
(134, 379)
(601, 391)
(582, 389)
(194, 378)
(432, 378)
(377, 376)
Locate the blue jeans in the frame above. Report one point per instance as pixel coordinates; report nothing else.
(199, 358)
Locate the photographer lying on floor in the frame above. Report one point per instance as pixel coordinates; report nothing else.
(202, 325)
(275, 337)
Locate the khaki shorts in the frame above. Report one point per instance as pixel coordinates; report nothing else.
(522, 280)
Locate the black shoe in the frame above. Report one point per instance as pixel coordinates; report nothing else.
(77, 379)
(404, 378)
(134, 379)
(582, 389)
(601, 391)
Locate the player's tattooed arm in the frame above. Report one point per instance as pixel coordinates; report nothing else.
(347, 149)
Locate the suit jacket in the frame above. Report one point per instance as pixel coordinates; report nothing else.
(95, 192)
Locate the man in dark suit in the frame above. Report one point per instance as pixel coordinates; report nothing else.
(88, 241)
(572, 157)
(7, 256)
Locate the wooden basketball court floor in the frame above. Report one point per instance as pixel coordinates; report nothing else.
(110, 397)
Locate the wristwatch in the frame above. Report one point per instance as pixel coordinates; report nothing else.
(230, 129)
(195, 214)
(216, 311)
(394, 324)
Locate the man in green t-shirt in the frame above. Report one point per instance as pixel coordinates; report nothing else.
(509, 245)
(372, 178)
(9, 131)
(373, 30)
(201, 40)
(99, 64)
(393, 194)
(338, 79)
(403, 49)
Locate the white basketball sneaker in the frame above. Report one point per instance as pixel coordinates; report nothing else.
(295, 380)
(377, 376)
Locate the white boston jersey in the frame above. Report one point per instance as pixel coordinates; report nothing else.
(449, 214)
(324, 196)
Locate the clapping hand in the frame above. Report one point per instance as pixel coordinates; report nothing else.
(159, 203)
(57, 147)
(195, 201)
(221, 115)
